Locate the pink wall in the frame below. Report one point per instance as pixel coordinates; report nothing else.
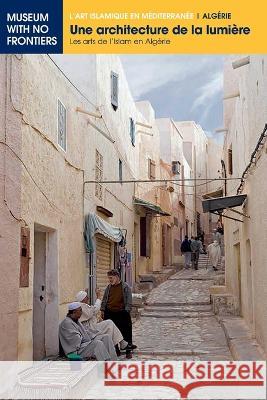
(10, 191)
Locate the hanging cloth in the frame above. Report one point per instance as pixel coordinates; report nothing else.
(94, 224)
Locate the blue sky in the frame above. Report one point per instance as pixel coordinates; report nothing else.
(183, 87)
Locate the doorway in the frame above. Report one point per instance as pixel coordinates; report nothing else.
(45, 293)
(239, 275)
(250, 298)
(166, 244)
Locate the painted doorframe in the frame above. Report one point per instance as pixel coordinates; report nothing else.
(45, 291)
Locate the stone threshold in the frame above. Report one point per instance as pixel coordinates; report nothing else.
(242, 344)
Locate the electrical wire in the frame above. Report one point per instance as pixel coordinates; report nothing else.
(78, 90)
(174, 181)
(253, 158)
(32, 178)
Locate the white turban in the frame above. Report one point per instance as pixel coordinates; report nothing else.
(74, 306)
(80, 296)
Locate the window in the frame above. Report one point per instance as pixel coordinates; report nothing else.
(176, 167)
(98, 175)
(230, 161)
(114, 90)
(151, 169)
(132, 131)
(61, 125)
(120, 171)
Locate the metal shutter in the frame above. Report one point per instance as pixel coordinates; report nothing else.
(103, 261)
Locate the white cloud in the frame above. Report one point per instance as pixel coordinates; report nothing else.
(208, 91)
(148, 72)
(183, 87)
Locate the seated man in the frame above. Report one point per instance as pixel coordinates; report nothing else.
(89, 320)
(86, 344)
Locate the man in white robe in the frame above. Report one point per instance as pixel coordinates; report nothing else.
(86, 344)
(89, 320)
(214, 252)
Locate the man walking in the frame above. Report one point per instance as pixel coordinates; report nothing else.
(186, 252)
(116, 305)
(195, 248)
(214, 252)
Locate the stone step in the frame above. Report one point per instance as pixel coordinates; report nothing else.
(204, 308)
(178, 304)
(192, 278)
(180, 315)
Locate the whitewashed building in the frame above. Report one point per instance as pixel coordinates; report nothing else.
(245, 117)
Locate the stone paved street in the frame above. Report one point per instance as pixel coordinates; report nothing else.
(178, 323)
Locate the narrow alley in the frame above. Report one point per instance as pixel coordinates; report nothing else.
(178, 322)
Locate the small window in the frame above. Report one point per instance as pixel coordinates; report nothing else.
(230, 161)
(176, 167)
(120, 171)
(98, 175)
(61, 125)
(151, 169)
(132, 131)
(114, 90)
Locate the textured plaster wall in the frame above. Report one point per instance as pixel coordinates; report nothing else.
(118, 198)
(10, 192)
(55, 200)
(195, 144)
(245, 120)
(149, 148)
(171, 142)
(189, 198)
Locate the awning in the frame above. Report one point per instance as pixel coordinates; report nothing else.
(218, 205)
(95, 224)
(221, 203)
(215, 194)
(153, 208)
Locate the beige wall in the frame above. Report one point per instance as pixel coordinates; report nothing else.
(195, 145)
(245, 117)
(149, 148)
(52, 186)
(171, 147)
(10, 193)
(189, 198)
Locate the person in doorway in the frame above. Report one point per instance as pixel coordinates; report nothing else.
(214, 253)
(195, 249)
(186, 252)
(116, 305)
(89, 320)
(86, 344)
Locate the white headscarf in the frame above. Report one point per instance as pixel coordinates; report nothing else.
(80, 296)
